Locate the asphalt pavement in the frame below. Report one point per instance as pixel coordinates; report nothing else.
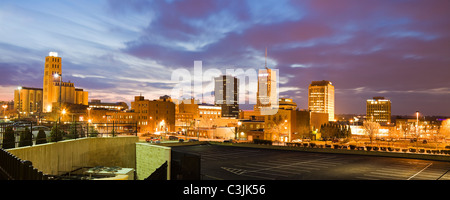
(240, 163)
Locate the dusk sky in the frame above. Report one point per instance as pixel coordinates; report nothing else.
(118, 49)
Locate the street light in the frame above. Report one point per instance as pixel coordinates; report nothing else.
(417, 122)
(57, 75)
(89, 113)
(63, 112)
(417, 115)
(4, 109)
(19, 107)
(237, 129)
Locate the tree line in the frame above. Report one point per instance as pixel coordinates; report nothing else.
(335, 130)
(26, 136)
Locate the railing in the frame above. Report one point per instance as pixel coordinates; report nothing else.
(27, 134)
(13, 168)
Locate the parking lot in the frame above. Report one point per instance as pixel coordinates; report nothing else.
(238, 163)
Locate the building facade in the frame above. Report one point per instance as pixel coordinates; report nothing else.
(321, 98)
(267, 94)
(154, 115)
(28, 101)
(55, 90)
(226, 95)
(98, 104)
(378, 110)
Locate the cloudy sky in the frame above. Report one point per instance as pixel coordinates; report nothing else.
(118, 49)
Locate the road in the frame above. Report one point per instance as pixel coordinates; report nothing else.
(238, 163)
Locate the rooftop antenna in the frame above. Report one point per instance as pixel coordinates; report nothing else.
(266, 60)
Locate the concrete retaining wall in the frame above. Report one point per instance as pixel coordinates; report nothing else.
(64, 156)
(149, 157)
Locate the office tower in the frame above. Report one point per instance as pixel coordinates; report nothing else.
(267, 94)
(378, 110)
(321, 98)
(226, 95)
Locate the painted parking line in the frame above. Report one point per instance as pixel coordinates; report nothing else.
(285, 171)
(232, 155)
(266, 169)
(404, 173)
(419, 171)
(240, 172)
(281, 166)
(298, 165)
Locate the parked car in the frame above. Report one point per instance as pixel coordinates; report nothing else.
(193, 140)
(173, 137)
(228, 141)
(180, 140)
(297, 140)
(153, 140)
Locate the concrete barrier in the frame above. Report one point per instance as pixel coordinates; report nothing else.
(151, 156)
(64, 156)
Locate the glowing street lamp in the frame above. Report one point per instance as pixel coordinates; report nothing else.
(89, 114)
(4, 109)
(19, 107)
(417, 121)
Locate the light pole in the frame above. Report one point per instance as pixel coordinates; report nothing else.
(198, 130)
(89, 119)
(4, 109)
(57, 75)
(237, 130)
(417, 123)
(19, 106)
(63, 112)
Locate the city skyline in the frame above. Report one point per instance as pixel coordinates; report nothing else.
(113, 48)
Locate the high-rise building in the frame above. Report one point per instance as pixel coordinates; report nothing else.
(321, 98)
(226, 95)
(55, 90)
(267, 96)
(378, 110)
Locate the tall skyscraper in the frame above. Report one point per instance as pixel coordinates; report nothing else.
(378, 110)
(321, 98)
(55, 90)
(226, 94)
(267, 94)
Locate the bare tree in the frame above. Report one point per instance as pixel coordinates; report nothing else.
(394, 135)
(371, 129)
(276, 127)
